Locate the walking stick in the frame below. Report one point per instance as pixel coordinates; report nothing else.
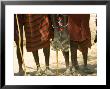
(53, 22)
(19, 45)
(57, 61)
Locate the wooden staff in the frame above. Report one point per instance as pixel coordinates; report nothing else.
(54, 25)
(57, 60)
(19, 44)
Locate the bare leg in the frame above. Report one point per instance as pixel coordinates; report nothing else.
(66, 56)
(85, 58)
(36, 58)
(47, 55)
(85, 53)
(20, 62)
(19, 54)
(73, 48)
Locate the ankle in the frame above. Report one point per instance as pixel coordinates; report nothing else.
(21, 69)
(76, 67)
(85, 66)
(38, 66)
(47, 67)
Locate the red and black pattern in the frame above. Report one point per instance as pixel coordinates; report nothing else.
(36, 28)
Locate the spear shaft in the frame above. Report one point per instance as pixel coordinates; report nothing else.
(20, 43)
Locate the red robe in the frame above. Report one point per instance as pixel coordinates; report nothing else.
(35, 25)
(78, 26)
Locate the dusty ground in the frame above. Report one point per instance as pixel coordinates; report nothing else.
(31, 67)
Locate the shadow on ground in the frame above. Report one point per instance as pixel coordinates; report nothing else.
(60, 72)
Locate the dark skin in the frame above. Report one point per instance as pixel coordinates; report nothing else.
(66, 56)
(95, 38)
(96, 32)
(74, 55)
(46, 51)
(19, 54)
(78, 42)
(20, 62)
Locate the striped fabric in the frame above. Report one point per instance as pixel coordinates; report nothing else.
(36, 27)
